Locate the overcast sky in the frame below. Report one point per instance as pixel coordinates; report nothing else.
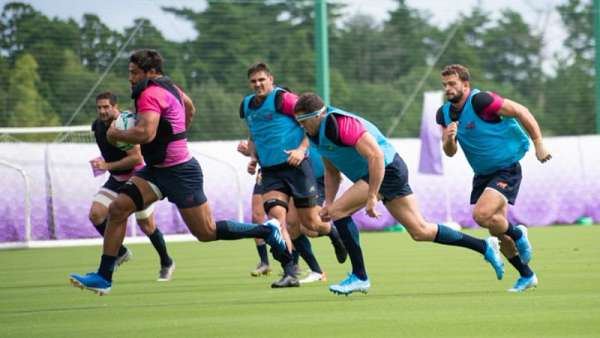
(121, 13)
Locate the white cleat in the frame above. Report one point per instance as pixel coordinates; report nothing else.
(314, 277)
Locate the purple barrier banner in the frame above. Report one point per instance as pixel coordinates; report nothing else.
(62, 188)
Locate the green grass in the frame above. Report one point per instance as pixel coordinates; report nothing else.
(418, 290)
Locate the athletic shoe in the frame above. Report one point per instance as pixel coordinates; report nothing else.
(295, 270)
(524, 283)
(314, 277)
(262, 269)
(91, 281)
(340, 250)
(523, 245)
(349, 285)
(123, 258)
(166, 272)
(275, 239)
(286, 282)
(492, 255)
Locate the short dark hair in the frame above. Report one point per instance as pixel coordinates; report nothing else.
(259, 67)
(456, 69)
(147, 59)
(112, 98)
(308, 103)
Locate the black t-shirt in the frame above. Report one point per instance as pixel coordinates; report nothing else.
(109, 152)
(331, 131)
(480, 102)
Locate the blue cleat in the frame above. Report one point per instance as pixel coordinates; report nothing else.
(349, 285)
(492, 255)
(91, 281)
(275, 239)
(524, 283)
(523, 245)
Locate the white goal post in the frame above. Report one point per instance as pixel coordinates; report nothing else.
(27, 197)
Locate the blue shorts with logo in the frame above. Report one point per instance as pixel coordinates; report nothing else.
(506, 181)
(395, 181)
(297, 182)
(182, 184)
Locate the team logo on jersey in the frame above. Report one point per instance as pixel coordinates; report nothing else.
(258, 117)
(471, 125)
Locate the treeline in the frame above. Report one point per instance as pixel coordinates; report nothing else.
(48, 65)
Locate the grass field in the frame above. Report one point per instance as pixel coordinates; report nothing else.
(418, 290)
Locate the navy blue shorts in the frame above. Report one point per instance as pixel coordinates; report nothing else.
(258, 186)
(395, 181)
(112, 184)
(506, 181)
(321, 190)
(182, 184)
(297, 182)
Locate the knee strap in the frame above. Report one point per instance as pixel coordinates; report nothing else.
(269, 204)
(134, 193)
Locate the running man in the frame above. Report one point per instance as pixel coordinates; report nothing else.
(487, 128)
(355, 147)
(301, 244)
(121, 166)
(164, 115)
(278, 143)
(258, 216)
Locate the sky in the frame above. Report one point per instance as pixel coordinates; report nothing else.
(119, 14)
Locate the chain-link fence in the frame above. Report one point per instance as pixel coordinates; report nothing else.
(51, 68)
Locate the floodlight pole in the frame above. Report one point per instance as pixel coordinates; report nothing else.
(596, 11)
(322, 50)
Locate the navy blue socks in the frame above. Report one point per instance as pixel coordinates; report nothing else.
(101, 228)
(523, 269)
(158, 241)
(304, 248)
(513, 232)
(107, 266)
(349, 233)
(449, 236)
(262, 253)
(230, 230)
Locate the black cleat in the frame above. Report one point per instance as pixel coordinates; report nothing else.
(286, 282)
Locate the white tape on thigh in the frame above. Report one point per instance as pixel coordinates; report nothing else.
(146, 213)
(157, 191)
(108, 192)
(102, 199)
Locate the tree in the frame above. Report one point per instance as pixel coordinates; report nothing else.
(355, 49)
(28, 108)
(467, 41)
(98, 43)
(570, 93)
(511, 54)
(407, 45)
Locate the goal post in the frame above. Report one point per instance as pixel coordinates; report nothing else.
(53, 163)
(27, 199)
